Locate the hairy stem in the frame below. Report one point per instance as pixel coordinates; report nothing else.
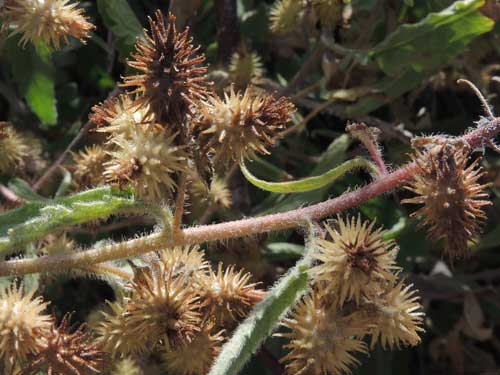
(179, 204)
(233, 229)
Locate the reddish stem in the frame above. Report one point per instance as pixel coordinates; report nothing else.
(237, 228)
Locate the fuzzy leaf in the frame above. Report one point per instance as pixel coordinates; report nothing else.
(36, 219)
(432, 42)
(308, 183)
(261, 321)
(122, 21)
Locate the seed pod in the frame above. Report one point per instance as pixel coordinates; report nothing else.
(171, 78)
(284, 16)
(240, 126)
(89, 166)
(451, 196)
(148, 159)
(322, 341)
(62, 352)
(355, 260)
(13, 148)
(397, 316)
(245, 68)
(228, 295)
(48, 21)
(196, 357)
(22, 322)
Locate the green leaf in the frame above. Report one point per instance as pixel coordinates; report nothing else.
(432, 42)
(122, 21)
(36, 219)
(23, 190)
(333, 156)
(262, 320)
(34, 74)
(396, 229)
(65, 184)
(309, 183)
(283, 251)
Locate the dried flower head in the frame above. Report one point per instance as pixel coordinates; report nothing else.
(245, 68)
(171, 78)
(21, 323)
(354, 260)
(322, 341)
(196, 357)
(117, 115)
(159, 309)
(187, 262)
(451, 196)
(89, 166)
(36, 162)
(217, 194)
(64, 353)
(148, 159)
(241, 125)
(228, 295)
(47, 21)
(284, 16)
(13, 148)
(117, 333)
(398, 316)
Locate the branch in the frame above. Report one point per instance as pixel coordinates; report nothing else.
(238, 228)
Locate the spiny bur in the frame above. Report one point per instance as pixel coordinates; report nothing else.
(146, 158)
(215, 195)
(397, 316)
(451, 196)
(118, 115)
(195, 357)
(159, 309)
(285, 16)
(13, 148)
(245, 68)
(49, 21)
(171, 76)
(89, 166)
(22, 323)
(354, 260)
(322, 341)
(62, 352)
(228, 295)
(240, 125)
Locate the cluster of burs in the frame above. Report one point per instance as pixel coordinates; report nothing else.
(167, 129)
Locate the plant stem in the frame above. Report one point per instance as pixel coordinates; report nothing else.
(233, 229)
(104, 269)
(214, 232)
(41, 181)
(179, 204)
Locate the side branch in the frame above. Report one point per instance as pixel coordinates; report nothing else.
(238, 228)
(214, 232)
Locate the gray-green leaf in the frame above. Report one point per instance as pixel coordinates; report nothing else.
(119, 17)
(434, 41)
(37, 218)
